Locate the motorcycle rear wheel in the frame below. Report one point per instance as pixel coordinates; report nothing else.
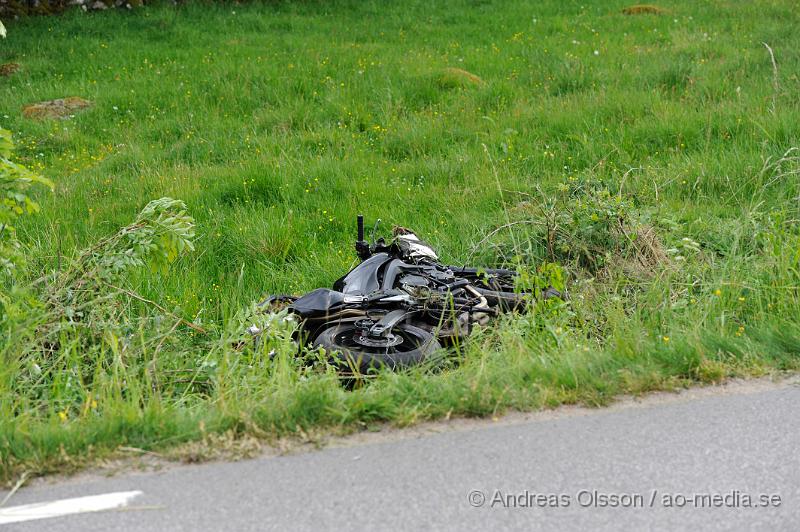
(339, 341)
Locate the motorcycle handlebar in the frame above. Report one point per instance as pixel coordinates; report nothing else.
(360, 221)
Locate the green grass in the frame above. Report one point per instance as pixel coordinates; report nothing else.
(278, 123)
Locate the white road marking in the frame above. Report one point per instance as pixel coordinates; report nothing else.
(78, 505)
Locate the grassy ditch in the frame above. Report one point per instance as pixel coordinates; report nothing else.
(647, 161)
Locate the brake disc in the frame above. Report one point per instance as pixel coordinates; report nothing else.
(389, 340)
(362, 337)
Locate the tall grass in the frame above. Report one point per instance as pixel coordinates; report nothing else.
(278, 123)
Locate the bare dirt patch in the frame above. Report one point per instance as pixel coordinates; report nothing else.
(644, 9)
(62, 108)
(8, 69)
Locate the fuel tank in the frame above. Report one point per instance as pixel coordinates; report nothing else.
(363, 279)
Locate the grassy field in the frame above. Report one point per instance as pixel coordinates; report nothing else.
(649, 156)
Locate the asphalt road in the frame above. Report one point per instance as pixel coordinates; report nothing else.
(634, 460)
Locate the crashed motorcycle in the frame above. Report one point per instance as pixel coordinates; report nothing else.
(400, 304)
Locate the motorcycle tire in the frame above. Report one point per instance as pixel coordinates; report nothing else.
(339, 341)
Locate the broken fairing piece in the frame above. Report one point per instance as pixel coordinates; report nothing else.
(415, 247)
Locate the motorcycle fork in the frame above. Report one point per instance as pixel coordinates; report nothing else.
(384, 326)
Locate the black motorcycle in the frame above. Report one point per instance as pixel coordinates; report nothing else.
(399, 305)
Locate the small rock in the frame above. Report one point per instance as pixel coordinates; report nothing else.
(61, 108)
(97, 6)
(8, 68)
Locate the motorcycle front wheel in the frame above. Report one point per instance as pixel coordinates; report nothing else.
(341, 342)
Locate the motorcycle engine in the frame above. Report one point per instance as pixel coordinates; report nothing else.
(417, 286)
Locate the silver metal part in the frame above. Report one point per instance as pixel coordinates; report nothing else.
(383, 341)
(417, 248)
(479, 317)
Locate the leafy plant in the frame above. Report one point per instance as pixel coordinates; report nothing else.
(546, 275)
(588, 226)
(15, 181)
(70, 327)
(583, 226)
(88, 289)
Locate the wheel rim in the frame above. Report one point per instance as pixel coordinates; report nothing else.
(345, 339)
